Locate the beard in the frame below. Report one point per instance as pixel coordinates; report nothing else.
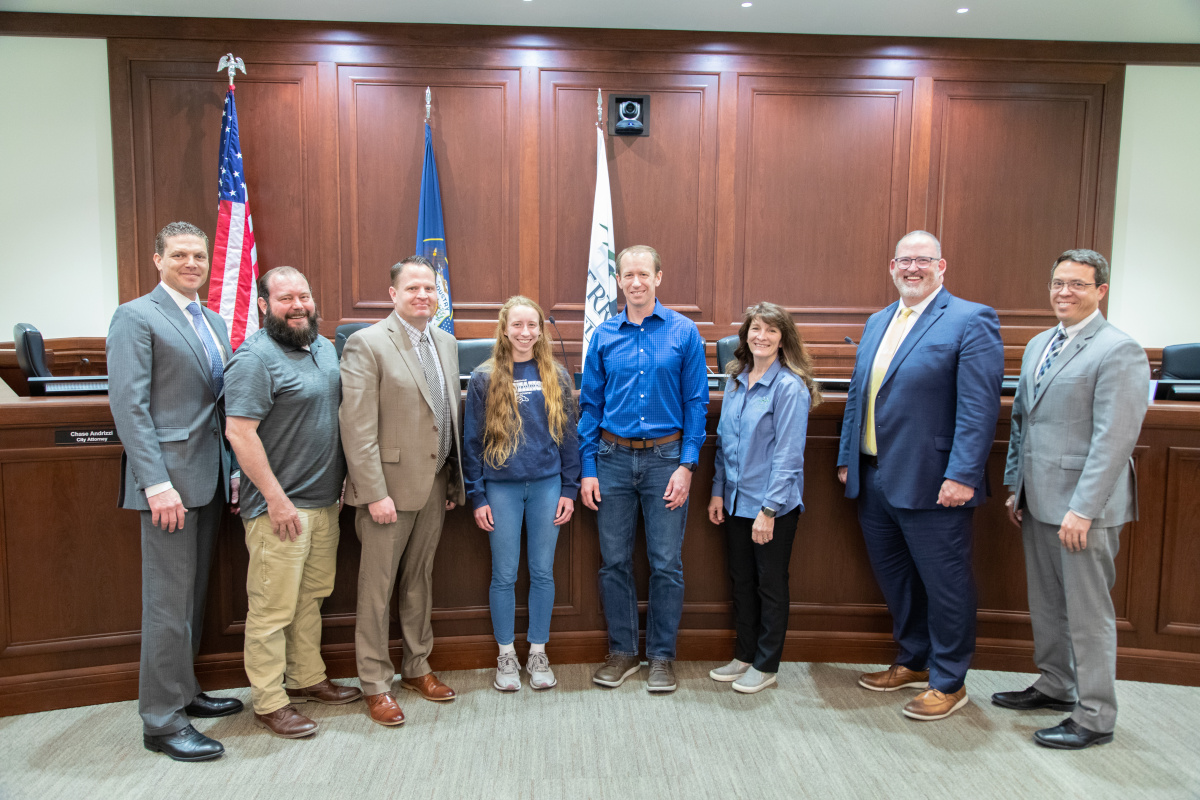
(917, 291)
(279, 329)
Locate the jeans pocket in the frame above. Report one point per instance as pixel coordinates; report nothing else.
(669, 451)
(605, 448)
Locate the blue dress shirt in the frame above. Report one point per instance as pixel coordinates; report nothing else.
(644, 382)
(760, 443)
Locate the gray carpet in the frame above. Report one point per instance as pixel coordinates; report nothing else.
(815, 735)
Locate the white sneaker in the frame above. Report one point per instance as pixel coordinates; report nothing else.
(730, 672)
(508, 673)
(753, 681)
(540, 674)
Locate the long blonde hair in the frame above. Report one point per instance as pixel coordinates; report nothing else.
(793, 355)
(502, 431)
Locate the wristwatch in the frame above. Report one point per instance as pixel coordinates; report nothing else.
(690, 465)
(768, 512)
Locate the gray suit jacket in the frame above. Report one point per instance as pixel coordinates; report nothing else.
(1071, 446)
(389, 429)
(166, 407)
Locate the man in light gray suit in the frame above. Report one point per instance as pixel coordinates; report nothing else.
(1076, 416)
(166, 357)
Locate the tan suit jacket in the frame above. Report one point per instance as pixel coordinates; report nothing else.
(389, 428)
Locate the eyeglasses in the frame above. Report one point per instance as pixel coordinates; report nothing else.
(924, 262)
(1074, 286)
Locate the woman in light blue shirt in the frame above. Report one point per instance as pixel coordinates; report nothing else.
(759, 482)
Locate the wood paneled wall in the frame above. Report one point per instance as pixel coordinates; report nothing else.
(778, 167)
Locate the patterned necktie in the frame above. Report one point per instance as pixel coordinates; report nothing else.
(1055, 348)
(882, 361)
(442, 408)
(214, 354)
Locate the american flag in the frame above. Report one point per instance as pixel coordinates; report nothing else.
(233, 287)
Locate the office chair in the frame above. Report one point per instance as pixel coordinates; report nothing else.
(31, 351)
(343, 333)
(1181, 362)
(472, 353)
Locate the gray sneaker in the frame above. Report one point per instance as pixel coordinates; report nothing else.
(616, 669)
(662, 677)
(730, 672)
(753, 681)
(508, 673)
(540, 674)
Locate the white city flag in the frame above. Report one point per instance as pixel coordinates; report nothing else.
(601, 300)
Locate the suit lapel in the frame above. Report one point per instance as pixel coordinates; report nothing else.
(178, 317)
(399, 337)
(1072, 349)
(868, 348)
(1025, 385)
(926, 320)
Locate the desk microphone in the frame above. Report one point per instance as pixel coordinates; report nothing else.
(566, 361)
(848, 340)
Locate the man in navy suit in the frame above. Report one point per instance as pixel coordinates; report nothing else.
(919, 423)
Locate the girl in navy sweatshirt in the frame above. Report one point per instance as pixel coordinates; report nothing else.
(521, 461)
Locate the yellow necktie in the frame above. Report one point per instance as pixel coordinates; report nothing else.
(882, 361)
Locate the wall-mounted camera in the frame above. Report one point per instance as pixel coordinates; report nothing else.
(628, 114)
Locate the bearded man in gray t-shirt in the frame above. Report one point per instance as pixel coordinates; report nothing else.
(282, 392)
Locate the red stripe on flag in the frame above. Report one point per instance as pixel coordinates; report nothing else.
(216, 276)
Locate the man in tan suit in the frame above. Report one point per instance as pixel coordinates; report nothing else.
(399, 424)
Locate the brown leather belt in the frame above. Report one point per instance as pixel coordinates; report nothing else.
(640, 444)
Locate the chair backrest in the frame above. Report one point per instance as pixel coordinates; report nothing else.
(725, 348)
(472, 353)
(343, 332)
(31, 351)
(1181, 362)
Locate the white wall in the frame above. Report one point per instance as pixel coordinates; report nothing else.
(1155, 290)
(58, 241)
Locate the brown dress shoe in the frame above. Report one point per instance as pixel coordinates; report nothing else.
(327, 692)
(429, 687)
(287, 723)
(383, 709)
(932, 704)
(893, 678)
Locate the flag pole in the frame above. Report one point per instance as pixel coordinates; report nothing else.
(428, 104)
(599, 108)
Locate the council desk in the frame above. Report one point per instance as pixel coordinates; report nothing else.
(70, 584)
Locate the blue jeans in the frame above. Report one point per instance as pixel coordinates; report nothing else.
(629, 477)
(537, 502)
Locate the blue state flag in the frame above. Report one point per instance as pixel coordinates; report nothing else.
(431, 235)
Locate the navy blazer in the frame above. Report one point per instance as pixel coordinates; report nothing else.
(936, 411)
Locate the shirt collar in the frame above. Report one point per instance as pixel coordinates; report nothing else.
(766, 379)
(414, 335)
(657, 312)
(1078, 326)
(180, 300)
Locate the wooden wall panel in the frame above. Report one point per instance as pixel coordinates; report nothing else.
(663, 186)
(71, 569)
(177, 109)
(476, 138)
(1014, 183)
(824, 182)
(1179, 601)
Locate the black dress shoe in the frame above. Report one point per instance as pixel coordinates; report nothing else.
(1070, 735)
(1030, 700)
(205, 706)
(187, 744)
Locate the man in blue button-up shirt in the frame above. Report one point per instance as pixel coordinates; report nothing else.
(644, 398)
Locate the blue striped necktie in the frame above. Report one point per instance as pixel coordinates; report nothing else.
(214, 354)
(1055, 348)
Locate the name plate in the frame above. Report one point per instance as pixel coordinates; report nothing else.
(84, 436)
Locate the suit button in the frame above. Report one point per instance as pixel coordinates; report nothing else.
(435, 428)
(433, 456)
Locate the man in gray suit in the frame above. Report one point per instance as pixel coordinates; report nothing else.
(1079, 406)
(166, 358)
